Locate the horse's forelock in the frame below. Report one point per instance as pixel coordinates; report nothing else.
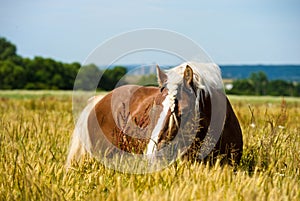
(173, 82)
(207, 76)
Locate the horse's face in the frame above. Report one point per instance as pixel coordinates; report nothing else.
(182, 106)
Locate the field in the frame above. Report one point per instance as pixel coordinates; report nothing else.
(35, 129)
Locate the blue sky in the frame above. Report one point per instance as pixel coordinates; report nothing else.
(230, 31)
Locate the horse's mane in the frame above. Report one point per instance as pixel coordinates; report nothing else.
(206, 76)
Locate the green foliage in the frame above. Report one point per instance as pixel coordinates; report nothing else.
(281, 88)
(258, 84)
(259, 80)
(112, 78)
(148, 80)
(90, 75)
(11, 75)
(7, 49)
(242, 87)
(87, 77)
(45, 73)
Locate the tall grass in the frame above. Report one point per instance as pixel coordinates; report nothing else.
(35, 134)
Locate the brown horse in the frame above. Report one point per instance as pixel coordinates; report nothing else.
(188, 111)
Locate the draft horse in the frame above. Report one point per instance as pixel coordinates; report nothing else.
(143, 120)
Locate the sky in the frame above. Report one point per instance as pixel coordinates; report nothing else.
(230, 31)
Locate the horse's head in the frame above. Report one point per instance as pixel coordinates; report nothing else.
(178, 106)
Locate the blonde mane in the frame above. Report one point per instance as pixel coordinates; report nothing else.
(207, 76)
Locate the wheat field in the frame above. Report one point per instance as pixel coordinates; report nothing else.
(35, 129)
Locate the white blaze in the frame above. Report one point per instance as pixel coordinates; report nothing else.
(169, 103)
(151, 148)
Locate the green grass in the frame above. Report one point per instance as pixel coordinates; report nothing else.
(35, 132)
(263, 99)
(31, 94)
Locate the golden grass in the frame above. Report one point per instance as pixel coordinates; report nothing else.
(35, 134)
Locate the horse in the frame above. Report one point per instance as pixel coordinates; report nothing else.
(189, 101)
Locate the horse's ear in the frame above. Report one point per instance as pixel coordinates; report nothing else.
(161, 76)
(188, 75)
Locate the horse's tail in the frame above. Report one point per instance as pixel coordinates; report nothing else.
(80, 143)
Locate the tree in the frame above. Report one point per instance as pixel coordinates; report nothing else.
(68, 74)
(260, 81)
(281, 88)
(87, 78)
(150, 80)
(11, 76)
(7, 50)
(242, 87)
(112, 77)
(297, 89)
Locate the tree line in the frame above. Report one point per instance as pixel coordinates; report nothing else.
(259, 84)
(17, 72)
